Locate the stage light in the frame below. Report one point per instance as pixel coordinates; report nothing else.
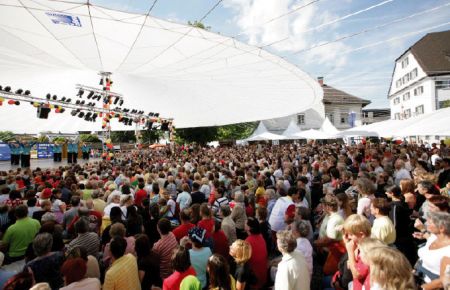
(69, 100)
(77, 102)
(19, 91)
(17, 103)
(90, 95)
(101, 82)
(94, 117)
(156, 114)
(62, 110)
(116, 100)
(150, 114)
(80, 93)
(63, 99)
(82, 102)
(7, 89)
(81, 115)
(55, 97)
(1, 88)
(121, 103)
(48, 96)
(27, 93)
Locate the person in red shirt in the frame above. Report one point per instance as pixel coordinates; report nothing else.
(258, 260)
(181, 264)
(183, 229)
(206, 222)
(140, 195)
(221, 245)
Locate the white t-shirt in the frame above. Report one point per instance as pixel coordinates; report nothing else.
(276, 219)
(304, 247)
(184, 200)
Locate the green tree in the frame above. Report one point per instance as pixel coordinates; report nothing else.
(198, 24)
(123, 136)
(152, 136)
(201, 135)
(43, 139)
(90, 138)
(7, 136)
(59, 139)
(444, 104)
(236, 131)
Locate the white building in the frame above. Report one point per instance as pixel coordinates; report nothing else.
(421, 78)
(337, 105)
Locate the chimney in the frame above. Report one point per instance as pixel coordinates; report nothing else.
(320, 80)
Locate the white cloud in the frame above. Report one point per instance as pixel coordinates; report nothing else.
(297, 30)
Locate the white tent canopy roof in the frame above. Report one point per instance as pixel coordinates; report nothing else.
(197, 77)
(291, 130)
(313, 135)
(261, 134)
(328, 128)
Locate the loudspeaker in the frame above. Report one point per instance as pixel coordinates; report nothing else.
(42, 113)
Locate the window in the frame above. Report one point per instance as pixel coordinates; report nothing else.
(407, 113)
(405, 78)
(398, 83)
(418, 91)
(331, 117)
(413, 74)
(405, 62)
(343, 120)
(396, 100)
(301, 119)
(419, 110)
(406, 96)
(397, 116)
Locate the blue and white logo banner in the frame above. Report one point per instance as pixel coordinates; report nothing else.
(64, 19)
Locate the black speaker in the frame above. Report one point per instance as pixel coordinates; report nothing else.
(42, 113)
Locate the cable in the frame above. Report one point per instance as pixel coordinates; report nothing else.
(332, 21)
(372, 28)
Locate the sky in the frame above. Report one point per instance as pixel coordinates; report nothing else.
(353, 44)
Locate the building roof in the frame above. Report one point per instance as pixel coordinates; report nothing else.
(432, 52)
(332, 95)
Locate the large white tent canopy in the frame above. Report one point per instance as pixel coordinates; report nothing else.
(194, 76)
(262, 134)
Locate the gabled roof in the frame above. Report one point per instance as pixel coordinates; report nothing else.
(432, 52)
(332, 95)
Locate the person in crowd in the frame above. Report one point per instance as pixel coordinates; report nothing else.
(207, 222)
(148, 263)
(19, 235)
(220, 242)
(92, 265)
(276, 218)
(198, 253)
(89, 240)
(219, 274)
(74, 271)
(184, 198)
(228, 225)
(46, 206)
(196, 195)
(238, 215)
(258, 259)
(300, 230)
(123, 273)
(434, 257)
(383, 229)
(241, 252)
(266, 232)
(190, 283)
(366, 189)
(183, 229)
(164, 247)
(292, 270)
(46, 266)
(118, 230)
(220, 200)
(181, 265)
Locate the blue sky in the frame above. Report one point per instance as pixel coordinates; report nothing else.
(361, 65)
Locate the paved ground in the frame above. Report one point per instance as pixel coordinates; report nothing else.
(42, 163)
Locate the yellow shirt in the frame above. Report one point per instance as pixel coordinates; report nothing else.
(233, 284)
(123, 274)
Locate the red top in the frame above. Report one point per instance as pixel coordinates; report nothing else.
(207, 224)
(182, 231)
(173, 281)
(140, 195)
(363, 278)
(221, 246)
(258, 260)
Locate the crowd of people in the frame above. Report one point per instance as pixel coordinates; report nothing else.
(310, 216)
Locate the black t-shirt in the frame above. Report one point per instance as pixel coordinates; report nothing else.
(244, 274)
(198, 197)
(150, 265)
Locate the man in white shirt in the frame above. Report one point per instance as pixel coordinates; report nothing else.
(400, 172)
(276, 219)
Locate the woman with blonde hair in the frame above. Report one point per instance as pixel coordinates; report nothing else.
(241, 251)
(389, 269)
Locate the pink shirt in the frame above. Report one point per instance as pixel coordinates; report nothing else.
(173, 281)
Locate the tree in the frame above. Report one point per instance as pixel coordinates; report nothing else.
(43, 139)
(7, 136)
(123, 137)
(201, 135)
(59, 139)
(89, 138)
(151, 136)
(236, 131)
(198, 24)
(444, 104)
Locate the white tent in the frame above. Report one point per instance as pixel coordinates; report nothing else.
(328, 128)
(386, 128)
(291, 130)
(313, 134)
(262, 134)
(197, 77)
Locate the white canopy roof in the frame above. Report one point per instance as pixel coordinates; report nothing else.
(328, 128)
(291, 130)
(434, 123)
(262, 134)
(197, 77)
(313, 134)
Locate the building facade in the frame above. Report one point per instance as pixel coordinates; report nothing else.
(342, 109)
(370, 116)
(421, 79)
